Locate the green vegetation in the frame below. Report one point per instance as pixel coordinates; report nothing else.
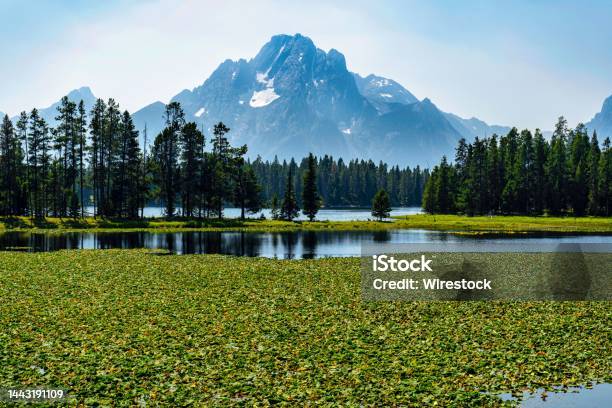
(289, 208)
(343, 183)
(95, 159)
(310, 195)
(507, 224)
(129, 327)
(381, 207)
(525, 174)
(453, 223)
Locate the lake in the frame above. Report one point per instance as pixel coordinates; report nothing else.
(284, 245)
(599, 395)
(325, 214)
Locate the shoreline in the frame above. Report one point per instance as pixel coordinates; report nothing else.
(456, 224)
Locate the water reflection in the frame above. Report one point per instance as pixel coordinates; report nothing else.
(288, 245)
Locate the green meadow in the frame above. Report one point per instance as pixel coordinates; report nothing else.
(129, 327)
(455, 223)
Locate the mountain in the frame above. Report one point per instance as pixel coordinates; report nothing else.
(293, 98)
(151, 117)
(473, 127)
(382, 92)
(602, 121)
(2, 115)
(49, 113)
(76, 95)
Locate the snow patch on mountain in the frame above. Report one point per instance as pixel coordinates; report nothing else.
(263, 79)
(263, 98)
(199, 112)
(380, 82)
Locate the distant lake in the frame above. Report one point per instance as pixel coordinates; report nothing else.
(325, 214)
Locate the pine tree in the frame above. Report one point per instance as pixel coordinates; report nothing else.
(11, 156)
(22, 136)
(381, 205)
(540, 154)
(605, 178)
(593, 176)
(578, 170)
(131, 168)
(524, 174)
(289, 208)
(430, 200)
(192, 141)
(310, 196)
(247, 195)
(97, 127)
(166, 168)
(557, 169)
(227, 162)
(111, 159)
(274, 208)
(66, 145)
(166, 154)
(511, 171)
(443, 193)
(81, 133)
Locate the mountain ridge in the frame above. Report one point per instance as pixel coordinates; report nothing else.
(49, 113)
(602, 121)
(293, 98)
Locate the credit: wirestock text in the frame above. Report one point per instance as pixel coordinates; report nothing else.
(388, 263)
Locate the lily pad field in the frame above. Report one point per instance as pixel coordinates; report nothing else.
(129, 327)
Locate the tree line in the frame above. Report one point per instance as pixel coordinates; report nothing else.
(342, 184)
(523, 173)
(95, 158)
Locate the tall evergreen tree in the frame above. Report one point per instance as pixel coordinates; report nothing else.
(289, 207)
(129, 177)
(66, 140)
(593, 175)
(247, 195)
(38, 163)
(310, 196)
(540, 153)
(605, 178)
(381, 205)
(192, 141)
(81, 134)
(166, 154)
(97, 127)
(275, 207)
(557, 169)
(11, 156)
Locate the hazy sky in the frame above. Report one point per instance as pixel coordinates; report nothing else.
(517, 63)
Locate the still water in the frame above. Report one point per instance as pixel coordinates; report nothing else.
(599, 395)
(284, 245)
(330, 214)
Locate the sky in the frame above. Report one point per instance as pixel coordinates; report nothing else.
(518, 63)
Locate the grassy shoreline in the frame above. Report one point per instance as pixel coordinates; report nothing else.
(455, 223)
(127, 327)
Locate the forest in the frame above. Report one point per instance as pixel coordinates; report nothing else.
(98, 159)
(343, 184)
(523, 173)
